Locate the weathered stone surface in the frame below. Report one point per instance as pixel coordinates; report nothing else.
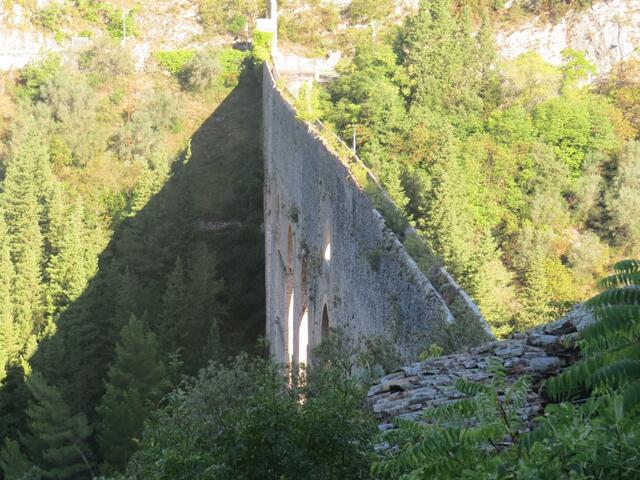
(540, 352)
(331, 260)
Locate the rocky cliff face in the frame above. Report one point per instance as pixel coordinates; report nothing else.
(20, 44)
(162, 24)
(608, 31)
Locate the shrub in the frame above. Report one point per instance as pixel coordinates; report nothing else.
(624, 197)
(228, 16)
(202, 71)
(245, 421)
(51, 16)
(113, 19)
(35, 75)
(232, 63)
(261, 46)
(237, 25)
(107, 58)
(72, 107)
(309, 103)
(174, 61)
(158, 114)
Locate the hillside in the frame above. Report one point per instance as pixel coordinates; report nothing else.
(516, 171)
(132, 240)
(130, 211)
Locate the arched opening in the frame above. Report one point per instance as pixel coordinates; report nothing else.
(327, 243)
(303, 271)
(303, 338)
(279, 200)
(290, 329)
(279, 343)
(324, 326)
(289, 250)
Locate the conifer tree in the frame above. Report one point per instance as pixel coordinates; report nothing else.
(57, 439)
(13, 463)
(136, 382)
(8, 344)
(430, 54)
(537, 293)
(66, 272)
(174, 317)
(26, 184)
(28, 298)
(204, 287)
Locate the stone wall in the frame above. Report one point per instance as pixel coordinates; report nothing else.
(331, 261)
(540, 353)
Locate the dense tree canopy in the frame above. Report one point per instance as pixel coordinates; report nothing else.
(515, 172)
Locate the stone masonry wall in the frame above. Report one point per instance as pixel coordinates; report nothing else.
(330, 259)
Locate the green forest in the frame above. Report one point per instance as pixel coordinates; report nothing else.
(131, 247)
(521, 177)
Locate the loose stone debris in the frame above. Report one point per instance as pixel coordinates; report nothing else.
(541, 353)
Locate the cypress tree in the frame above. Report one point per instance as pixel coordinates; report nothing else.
(57, 439)
(136, 382)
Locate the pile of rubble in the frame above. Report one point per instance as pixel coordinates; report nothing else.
(541, 352)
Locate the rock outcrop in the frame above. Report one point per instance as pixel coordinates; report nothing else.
(541, 352)
(608, 32)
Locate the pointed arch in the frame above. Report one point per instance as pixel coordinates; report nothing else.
(303, 338)
(324, 325)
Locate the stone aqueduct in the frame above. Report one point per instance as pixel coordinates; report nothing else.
(331, 261)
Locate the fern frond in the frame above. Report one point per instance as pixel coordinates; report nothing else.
(631, 397)
(574, 380)
(629, 350)
(580, 376)
(629, 295)
(538, 434)
(469, 387)
(456, 410)
(616, 374)
(620, 280)
(627, 266)
(480, 434)
(495, 368)
(611, 319)
(517, 393)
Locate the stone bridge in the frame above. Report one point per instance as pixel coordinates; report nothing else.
(331, 259)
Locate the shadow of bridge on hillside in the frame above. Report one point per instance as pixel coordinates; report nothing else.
(220, 184)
